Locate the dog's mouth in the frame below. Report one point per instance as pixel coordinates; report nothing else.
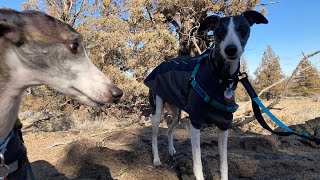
(88, 100)
(232, 58)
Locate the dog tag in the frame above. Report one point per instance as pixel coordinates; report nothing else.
(4, 171)
(229, 93)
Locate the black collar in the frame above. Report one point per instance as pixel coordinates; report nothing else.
(216, 66)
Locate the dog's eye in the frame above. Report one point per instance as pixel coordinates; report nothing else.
(219, 31)
(74, 47)
(243, 29)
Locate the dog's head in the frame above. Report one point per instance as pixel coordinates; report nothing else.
(232, 32)
(40, 49)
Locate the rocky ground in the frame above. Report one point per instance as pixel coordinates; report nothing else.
(68, 141)
(125, 153)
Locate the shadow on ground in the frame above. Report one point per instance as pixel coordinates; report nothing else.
(126, 154)
(45, 170)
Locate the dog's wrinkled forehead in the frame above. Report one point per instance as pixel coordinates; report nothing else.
(240, 21)
(237, 20)
(43, 28)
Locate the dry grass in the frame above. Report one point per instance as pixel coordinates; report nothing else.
(67, 114)
(290, 111)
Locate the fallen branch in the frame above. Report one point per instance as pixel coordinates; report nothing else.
(59, 144)
(284, 90)
(36, 122)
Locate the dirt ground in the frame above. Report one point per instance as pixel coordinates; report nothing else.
(125, 154)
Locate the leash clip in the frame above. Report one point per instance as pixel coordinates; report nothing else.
(242, 75)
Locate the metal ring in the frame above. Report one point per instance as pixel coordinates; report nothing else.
(2, 163)
(5, 172)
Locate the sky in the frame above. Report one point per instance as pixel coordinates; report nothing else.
(293, 29)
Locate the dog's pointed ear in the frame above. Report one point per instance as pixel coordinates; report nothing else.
(254, 17)
(209, 23)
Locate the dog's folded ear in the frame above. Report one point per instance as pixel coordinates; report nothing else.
(254, 17)
(209, 23)
(10, 32)
(10, 26)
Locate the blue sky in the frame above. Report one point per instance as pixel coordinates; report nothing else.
(294, 27)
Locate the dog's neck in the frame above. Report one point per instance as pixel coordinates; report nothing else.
(224, 69)
(10, 98)
(13, 81)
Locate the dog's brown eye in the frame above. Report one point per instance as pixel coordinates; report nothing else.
(74, 47)
(243, 29)
(219, 31)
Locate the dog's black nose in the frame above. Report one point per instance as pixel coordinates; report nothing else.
(231, 50)
(116, 92)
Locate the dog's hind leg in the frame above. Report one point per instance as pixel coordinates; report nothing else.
(222, 144)
(176, 116)
(196, 152)
(156, 117)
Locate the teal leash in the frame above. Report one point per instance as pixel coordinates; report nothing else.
(257, 104)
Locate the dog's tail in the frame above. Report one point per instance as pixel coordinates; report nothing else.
(149, 71)
(152, 101)
(152, 96)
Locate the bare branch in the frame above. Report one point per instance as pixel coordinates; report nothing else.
(70, 8)
(151, 19)
(176, 25)
(267, 4)
(76, 14)
(195, 44)
(272, 85)
(149, 13)
(277, 100)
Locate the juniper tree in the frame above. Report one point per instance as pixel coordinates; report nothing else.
(307, 82)
(268, 73)
(185, 16)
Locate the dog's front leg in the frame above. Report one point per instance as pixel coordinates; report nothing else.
(196, 152)
(223, 145)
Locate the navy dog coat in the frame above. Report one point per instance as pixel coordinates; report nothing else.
(171, 81)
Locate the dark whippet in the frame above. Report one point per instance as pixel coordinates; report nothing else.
(172, 82)
(38, 49)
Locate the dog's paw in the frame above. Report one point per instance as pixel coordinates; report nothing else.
(172, 151)
(156, 162)
(197, 171)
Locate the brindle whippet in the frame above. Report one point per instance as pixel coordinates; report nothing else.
(37, 49)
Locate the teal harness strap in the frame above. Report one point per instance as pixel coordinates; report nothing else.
(3, 146)
(222, 107)
(203, 93)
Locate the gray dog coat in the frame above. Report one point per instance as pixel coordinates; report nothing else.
(171, 81)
